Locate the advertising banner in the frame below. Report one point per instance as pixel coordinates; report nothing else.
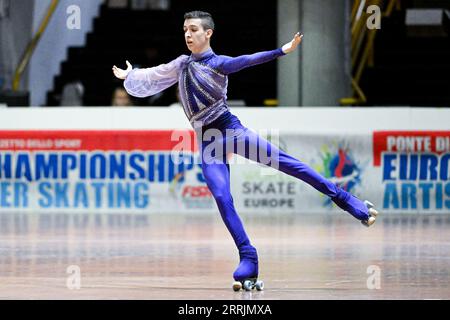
(145, 171)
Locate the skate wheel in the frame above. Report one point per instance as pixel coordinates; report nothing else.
(368, 222)
(248, 285)
(237, 286)
(259, 285)
(373, 212)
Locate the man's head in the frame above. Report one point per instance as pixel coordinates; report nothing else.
(198, 28)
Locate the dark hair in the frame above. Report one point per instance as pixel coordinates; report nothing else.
(207, 20)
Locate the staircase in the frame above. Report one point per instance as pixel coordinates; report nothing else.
(409, 70)
(148, 38)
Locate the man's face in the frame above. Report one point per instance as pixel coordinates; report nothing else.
(197, 39)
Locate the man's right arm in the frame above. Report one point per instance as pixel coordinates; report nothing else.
(150, 81)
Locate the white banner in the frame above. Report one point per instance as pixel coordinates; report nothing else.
(125, 170)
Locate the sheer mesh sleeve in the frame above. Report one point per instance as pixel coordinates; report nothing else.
(147, 82)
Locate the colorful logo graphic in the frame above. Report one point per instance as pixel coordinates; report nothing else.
(190, 188)
(340, 167)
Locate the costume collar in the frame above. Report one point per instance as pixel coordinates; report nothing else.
(203, 55)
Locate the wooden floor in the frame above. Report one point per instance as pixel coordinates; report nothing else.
(193, 257)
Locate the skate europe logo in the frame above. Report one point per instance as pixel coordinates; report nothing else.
(339, 167)
(415, 169)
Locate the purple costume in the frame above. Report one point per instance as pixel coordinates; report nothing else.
(203, 84)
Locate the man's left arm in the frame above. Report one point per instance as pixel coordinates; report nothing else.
(229, 65)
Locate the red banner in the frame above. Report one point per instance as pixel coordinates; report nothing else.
(156, 140)
(436, 142)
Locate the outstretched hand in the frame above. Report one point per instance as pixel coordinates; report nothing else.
(120, 73)
(291, 46)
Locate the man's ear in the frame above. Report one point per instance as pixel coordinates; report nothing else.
(209, 33)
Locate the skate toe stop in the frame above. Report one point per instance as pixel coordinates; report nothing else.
(237, 286)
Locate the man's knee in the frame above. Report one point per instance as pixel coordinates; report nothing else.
(222, 197)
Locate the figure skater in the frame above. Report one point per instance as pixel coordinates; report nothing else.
(203, 78)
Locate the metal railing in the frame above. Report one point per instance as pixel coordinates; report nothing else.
(362, 44)
(26, 57)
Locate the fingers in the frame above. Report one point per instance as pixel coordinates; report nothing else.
(298, 38)
(116, 68)
(120, 73)
(298, 35)
(117, 72)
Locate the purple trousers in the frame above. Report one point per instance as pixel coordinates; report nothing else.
(216, 142)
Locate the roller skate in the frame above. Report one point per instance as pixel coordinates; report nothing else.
(246, 274)
(372, 214)
(356, 207)
(249, 285)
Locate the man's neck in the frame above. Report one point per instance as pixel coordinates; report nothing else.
(203, 50)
